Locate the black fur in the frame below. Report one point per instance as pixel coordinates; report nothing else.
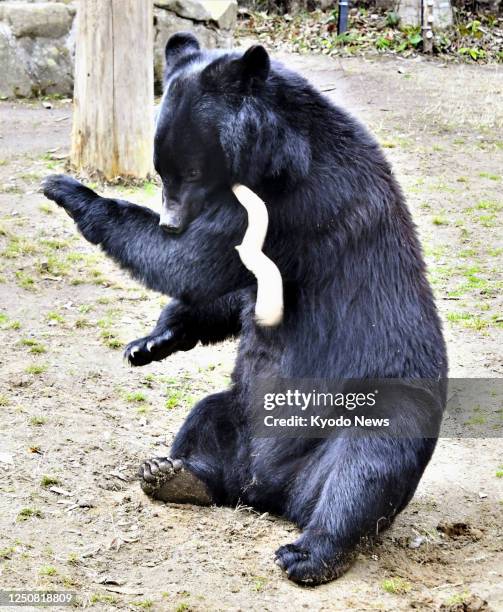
(357, 303)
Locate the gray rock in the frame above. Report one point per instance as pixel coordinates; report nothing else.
(167, 23)
(47, 20)
(15, 79)
(49, 63)
(222, 12)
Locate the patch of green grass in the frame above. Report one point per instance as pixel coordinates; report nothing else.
(73, 559)
(183, 607)
(454, 317)
(498, 320)
(467, 253)
(47, 570)
(148, 379)
(25, 281)
(53, 266)
(145, 604)
(111, 339)
(444, 188)
(35, 346)
(11, 189)
(26, 513)
(81, 323)
(4, 400)
(490, 176)
(490, 205)
(472, 282)
(37, 421)
(30, 176)
(458, 598)
(85, 308)
(136, 396)
(439, 220)
(55, 245)
(477, 323)
(174, 399)
(47, 208)
(150, 189)
(103, 598)
(54, 316)
(6, 553)
(487, 220)
(476, 419)
(69, 582)
(19, 246)
(73, 258)
(49, 481)
(36, 368)
(396, 586)
(499, 472)
(96, 278)
(108, 335)
(259, 583)
(468, 320)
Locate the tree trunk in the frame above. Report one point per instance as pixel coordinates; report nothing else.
(113, 116)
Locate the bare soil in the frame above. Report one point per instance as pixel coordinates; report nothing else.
(76, 421)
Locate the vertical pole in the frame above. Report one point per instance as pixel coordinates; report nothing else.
(342, 21)
(427, 25)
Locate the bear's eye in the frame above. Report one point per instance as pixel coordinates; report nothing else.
(192, 174)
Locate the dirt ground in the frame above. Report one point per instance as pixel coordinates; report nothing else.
(76, 420)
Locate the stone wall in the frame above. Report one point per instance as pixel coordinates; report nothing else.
(37, 39)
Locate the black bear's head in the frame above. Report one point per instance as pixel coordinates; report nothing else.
(222, 121)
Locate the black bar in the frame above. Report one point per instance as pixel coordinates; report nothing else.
(342, 21)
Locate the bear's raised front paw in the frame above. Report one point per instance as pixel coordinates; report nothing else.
(170, 481)
(313, 560)
(145, 350)
(155, 348)
(60, 187)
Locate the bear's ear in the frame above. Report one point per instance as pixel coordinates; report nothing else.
(255, 63)
(180, 44)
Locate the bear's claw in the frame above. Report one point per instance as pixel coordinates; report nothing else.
(155, 348)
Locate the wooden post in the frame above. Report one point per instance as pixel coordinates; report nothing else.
(113, 118)
(427, 25)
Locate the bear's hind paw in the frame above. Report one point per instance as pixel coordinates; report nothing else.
(169, 480)
(313, 560)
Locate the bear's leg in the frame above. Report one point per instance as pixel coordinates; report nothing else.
(370, 481)
(198, 265)
(200, 467)
(181, 326)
